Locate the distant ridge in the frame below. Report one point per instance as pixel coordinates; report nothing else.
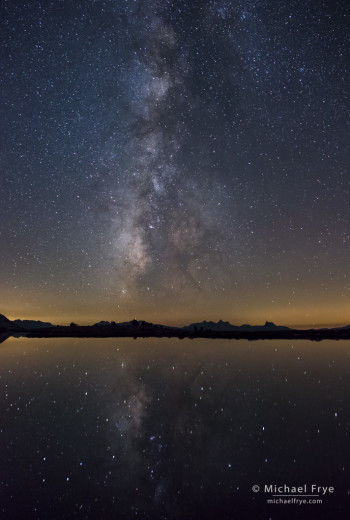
(142, 329)
(32, 324)
(225, 326)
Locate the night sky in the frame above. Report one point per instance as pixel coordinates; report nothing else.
(175, 161)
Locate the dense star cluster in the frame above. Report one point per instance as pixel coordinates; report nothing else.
(175, 160)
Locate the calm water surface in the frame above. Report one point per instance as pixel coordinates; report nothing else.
(169, 429)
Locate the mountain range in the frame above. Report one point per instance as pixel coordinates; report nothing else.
(31, 324)
(141, 328)
(225, 326)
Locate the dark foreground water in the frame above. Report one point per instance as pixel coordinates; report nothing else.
(169, 429)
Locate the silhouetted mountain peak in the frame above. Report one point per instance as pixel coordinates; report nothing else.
(3, 319)
(211, 325)
(225, 326)
(6, 324)
(33, 324)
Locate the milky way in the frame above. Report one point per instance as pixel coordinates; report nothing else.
(164, 156)
(163, 212)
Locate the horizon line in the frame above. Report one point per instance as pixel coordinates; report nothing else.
(292, 326)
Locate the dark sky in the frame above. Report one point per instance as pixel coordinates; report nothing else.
(175, 161)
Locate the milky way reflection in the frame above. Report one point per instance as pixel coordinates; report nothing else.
(169, 429)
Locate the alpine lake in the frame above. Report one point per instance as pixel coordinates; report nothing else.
(159, 429)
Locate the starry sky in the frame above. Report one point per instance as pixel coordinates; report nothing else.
(175, 161)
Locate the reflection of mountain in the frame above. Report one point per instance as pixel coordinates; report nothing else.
(225, 326)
